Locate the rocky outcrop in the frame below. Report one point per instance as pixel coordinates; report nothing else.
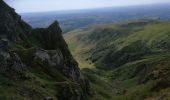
(55, 50)
(50, 57)
(11, 25)
(54, 60)
(10, 63)
(55, 53)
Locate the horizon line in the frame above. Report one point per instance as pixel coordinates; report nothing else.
(95, 8)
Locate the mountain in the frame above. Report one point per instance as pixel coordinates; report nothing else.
(133, 58)
(36, 64)
(11, 26)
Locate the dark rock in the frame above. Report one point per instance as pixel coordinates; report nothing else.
(11, 24)
(48, 98)
(4, 45)
(55, 54)
(53, 58)
(51, 51)
(10, 63)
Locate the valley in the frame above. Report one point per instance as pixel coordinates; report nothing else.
(132, 58)
(112, 53)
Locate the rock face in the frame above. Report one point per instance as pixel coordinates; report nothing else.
(52, 57)
(47, 54)
(56, 59)
(11, 25)
(69, 68)
(10, 63)
(55, 53)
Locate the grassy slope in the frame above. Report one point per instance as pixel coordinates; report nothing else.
(136, 54)
(100, 38)
(78, 48)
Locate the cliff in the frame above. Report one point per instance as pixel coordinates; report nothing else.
(12, 27)
(36, 64)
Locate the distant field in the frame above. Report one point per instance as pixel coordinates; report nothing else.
(70, 20)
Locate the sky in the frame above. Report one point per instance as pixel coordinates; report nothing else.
(25, 6)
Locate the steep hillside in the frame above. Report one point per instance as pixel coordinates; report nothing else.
(12, 27)
(36, 64)
(133, 57)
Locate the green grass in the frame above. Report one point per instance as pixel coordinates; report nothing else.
(152, 34)
(133, 58)
(100, 86)
(78, 49)
(96, 41)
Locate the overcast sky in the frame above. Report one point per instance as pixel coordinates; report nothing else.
(23, 6)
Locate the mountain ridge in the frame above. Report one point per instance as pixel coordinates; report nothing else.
(37, 72)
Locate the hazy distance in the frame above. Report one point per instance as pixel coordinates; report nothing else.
(25, 6)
